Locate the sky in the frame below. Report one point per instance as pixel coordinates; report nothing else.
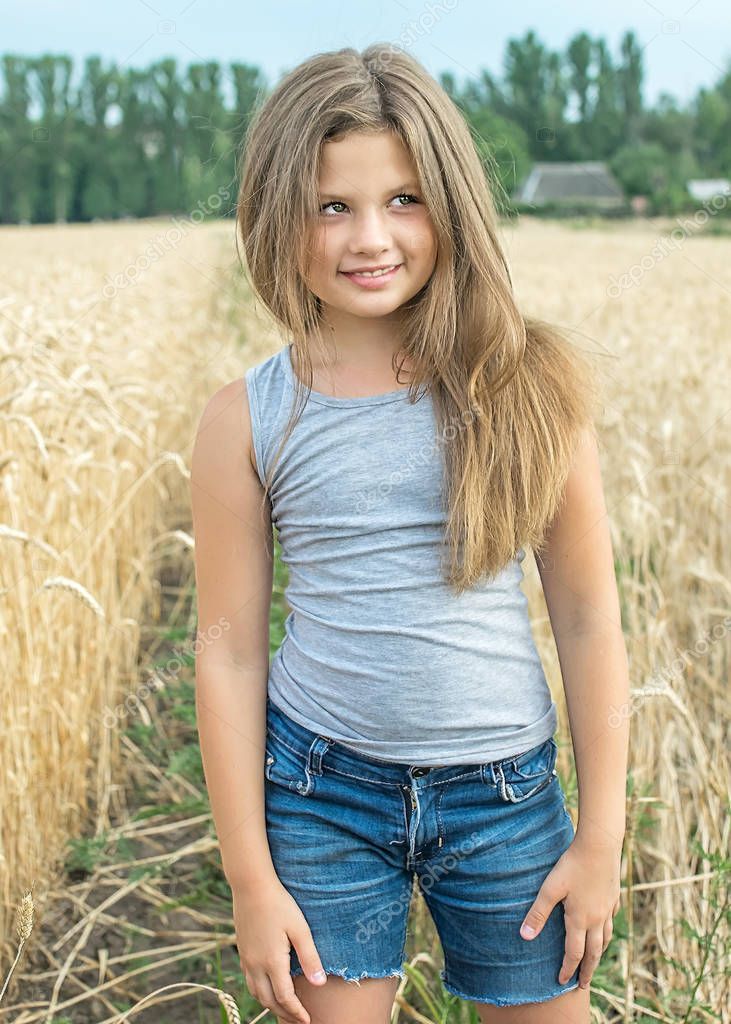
(686, 44)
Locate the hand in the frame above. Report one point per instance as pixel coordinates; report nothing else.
(586, 879)
(267, 921)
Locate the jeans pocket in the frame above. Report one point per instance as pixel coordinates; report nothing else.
(286, 767)
(521, 777)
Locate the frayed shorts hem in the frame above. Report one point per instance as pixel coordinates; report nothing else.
(397, 972)
(503, 1002)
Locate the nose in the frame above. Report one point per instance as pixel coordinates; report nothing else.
(370, 233)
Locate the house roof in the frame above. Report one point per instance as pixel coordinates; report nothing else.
(565, 180)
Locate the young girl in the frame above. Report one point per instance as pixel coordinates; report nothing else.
(404, 730)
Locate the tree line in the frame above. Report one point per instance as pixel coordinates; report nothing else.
(129, 142)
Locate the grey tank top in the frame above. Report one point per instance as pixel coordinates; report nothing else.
(378, 654)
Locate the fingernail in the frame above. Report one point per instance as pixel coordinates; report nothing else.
(527, 932)
(319, 976)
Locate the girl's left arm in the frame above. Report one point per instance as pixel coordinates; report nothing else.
(576, 566)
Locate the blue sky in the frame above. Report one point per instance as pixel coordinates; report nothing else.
(686, 44)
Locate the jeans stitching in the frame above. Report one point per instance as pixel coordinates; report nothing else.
(358, 778)
(504, 787)
(298, 785)
(441, 832)
(480, 771)
(284, 742)
(406, 920)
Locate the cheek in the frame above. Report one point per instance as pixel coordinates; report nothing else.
(318, 247)
(422, 245)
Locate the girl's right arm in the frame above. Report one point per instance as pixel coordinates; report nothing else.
(234, 571)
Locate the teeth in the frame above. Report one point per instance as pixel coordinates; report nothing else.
(374, 273)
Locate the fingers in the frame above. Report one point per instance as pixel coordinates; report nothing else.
(301, 939)
(540, 910)
(284, 993)
(574, 950)
(278, 997)
(586, 948)
(592, 955)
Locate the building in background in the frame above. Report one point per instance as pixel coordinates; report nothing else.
(589, 183)
(703, 189)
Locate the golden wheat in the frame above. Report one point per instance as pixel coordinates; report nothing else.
(100, 392)
(100, 396)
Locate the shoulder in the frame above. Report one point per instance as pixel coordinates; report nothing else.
(224, 436)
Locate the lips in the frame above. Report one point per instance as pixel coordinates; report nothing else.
(371, 270)
(372, 281)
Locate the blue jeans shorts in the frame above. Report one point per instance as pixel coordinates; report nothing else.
(349, 835)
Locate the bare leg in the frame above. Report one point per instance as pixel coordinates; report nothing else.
(368, 1001)
(568, 1008)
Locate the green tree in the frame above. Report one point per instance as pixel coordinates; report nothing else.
(712, 112)
(18, 143)
(134, 166)
(579, 57)
(641, 169)
(54, 161)
(169, 130)
(605, 132)
(537, 92)
(630, 84)
(95, 193)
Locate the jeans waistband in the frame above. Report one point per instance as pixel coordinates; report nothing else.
(314, 746)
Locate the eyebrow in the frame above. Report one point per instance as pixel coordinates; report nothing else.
(408, 186)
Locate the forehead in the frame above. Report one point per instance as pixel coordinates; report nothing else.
(360, 159)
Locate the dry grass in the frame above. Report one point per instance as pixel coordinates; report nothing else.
(100, 391)
(662, 349)
(99, 398)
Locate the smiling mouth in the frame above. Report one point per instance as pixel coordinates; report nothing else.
(372, 275)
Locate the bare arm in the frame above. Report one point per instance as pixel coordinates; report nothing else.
(233, 564)
(577, 572)
(234, 568)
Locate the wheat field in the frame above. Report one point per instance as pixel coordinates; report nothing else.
(112, 337)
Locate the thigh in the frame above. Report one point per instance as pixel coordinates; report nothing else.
(503, 829)
(331, 851)
(369, 1001)
(569, 1008)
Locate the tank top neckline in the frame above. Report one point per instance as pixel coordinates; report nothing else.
(399, 395)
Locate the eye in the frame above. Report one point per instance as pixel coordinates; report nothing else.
(402, 195)
(333, 203)
(405, 195)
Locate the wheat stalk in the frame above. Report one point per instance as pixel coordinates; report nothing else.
(227, 1001)
(23, 928)
(64, 583)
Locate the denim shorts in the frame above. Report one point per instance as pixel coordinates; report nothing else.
(350, 835)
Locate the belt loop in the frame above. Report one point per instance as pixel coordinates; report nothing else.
(318, 749)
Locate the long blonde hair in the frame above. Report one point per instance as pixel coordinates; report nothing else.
(510, 393)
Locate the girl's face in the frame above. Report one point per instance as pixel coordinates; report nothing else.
(371, 215)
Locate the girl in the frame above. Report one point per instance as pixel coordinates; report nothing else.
(404, 731)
